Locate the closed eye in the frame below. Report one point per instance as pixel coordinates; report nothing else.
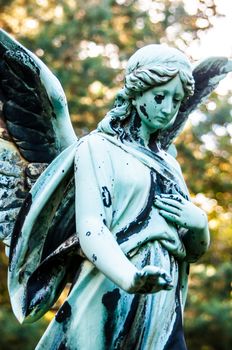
(177, 100)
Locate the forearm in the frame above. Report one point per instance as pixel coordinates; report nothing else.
(184, 213)
(196, 242)
(101, 248)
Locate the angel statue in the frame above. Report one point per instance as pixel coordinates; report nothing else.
(110, 212)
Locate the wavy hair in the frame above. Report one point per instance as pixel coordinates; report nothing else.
(150, 66)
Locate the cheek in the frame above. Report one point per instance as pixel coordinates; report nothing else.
(143, 110)
(175, 109)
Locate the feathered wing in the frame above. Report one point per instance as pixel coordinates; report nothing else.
(34, 126)
(44, 247)
(207, 76)
(45, 250)
(36, 216)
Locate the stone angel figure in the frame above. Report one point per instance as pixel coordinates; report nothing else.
(109, 212)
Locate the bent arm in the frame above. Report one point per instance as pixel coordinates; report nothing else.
(101, 248)
(93, 182)
(103, 251)
(94, 201)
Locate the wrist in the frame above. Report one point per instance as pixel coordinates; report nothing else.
(128, 282)
(202, 223)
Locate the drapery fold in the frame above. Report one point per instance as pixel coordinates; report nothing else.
(33, 290)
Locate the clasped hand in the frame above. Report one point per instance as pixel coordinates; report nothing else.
(177, 209)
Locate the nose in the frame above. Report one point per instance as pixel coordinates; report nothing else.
(167, 106)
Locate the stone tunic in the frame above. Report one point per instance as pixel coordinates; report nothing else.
(117, 188)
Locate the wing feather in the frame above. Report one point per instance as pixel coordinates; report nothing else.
(34, 126)
(207, 75)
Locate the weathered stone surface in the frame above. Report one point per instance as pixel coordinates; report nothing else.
(125, 231)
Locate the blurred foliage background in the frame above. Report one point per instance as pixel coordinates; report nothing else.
(86, 44)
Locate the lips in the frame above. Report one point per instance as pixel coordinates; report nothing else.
(161, 118)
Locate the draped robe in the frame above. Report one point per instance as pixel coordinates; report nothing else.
(97, 313)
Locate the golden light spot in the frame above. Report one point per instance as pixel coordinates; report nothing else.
(213, 224)
(49, 316)
(96, 87)
(210, 271)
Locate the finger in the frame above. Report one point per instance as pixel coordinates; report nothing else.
(146, 279)
(154, 287)
(170, 216)
(164, 276)
(167, 207)
(150, 275)
(151, 270)
(174, 197)
(161, 285)
(172, 202)
(168, 287)
(154, 274)
(153, 280)
(163, 281)
(176, 248)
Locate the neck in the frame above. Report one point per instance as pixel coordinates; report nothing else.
(141, 135)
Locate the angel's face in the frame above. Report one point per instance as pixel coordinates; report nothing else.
(158, 106)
